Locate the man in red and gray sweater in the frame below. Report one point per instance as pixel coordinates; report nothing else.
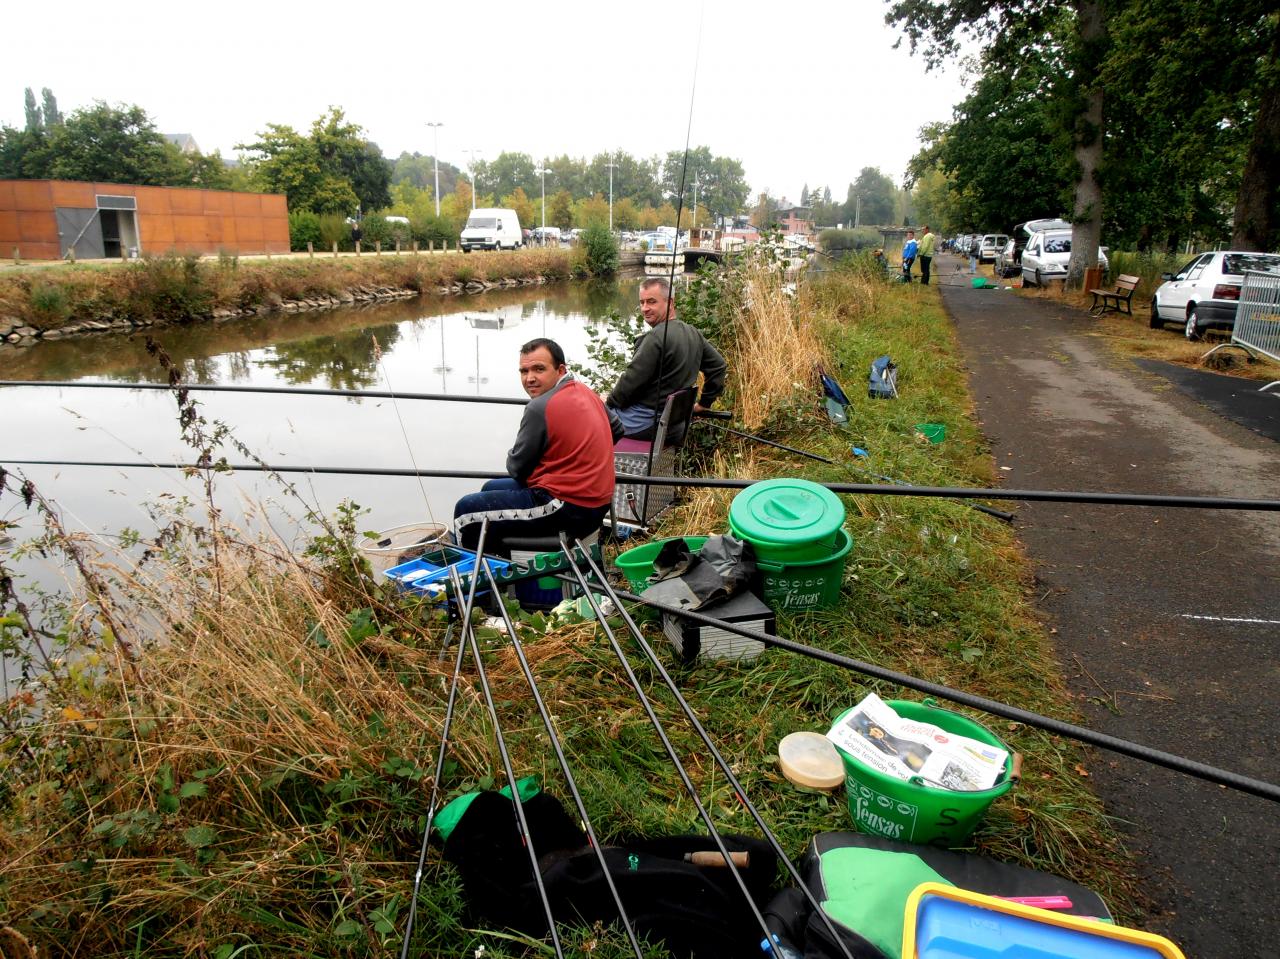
(561, 464)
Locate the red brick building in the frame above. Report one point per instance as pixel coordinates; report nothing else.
(46, 219)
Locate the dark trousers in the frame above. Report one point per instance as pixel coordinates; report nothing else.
(516, 511)
(924, 269)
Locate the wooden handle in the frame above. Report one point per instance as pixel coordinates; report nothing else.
(1015, 773)
(712, 857)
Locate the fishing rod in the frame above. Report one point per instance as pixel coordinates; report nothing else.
(647, 704)
(713, 482)
(522, 822)
(1191, 767)
(444, 745)
(282, 390)
(692, 716)
(558, 747)
(998, 514)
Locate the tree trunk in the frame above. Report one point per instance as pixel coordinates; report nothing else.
(1086, 213)
(1256, 205)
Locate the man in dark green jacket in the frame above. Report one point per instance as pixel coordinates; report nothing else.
(667, 358)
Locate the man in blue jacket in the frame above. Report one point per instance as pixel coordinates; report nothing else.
(908, 255)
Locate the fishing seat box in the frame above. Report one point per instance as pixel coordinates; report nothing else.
(694, 640)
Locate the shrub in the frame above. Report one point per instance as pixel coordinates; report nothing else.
(49, 305)
(433, 229)
(840, 242)
(304, 228)
(169, 288)
(334, 229)
(601, 250)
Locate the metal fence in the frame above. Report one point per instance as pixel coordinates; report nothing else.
(1258, 317)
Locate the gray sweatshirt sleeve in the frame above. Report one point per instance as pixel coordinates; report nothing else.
(638, 375)
(531, 441)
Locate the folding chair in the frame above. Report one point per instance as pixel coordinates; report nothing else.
(636, 504)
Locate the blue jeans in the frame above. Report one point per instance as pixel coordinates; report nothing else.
(515, 510)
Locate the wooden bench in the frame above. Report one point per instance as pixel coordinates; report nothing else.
(1115, 300)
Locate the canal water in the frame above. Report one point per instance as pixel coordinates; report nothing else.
(463, 346)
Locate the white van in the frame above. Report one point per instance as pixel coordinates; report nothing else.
(1046, 257)
(492, 229)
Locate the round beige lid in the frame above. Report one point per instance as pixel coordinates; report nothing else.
(810, 759)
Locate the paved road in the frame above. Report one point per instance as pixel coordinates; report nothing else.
(1168, 621)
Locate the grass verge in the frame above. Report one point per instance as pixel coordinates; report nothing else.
(254, 783)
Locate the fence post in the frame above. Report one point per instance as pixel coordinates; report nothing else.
(335, 249)
(17, 256)
(377, 247)
(71, 253)
(124, 253)
(431, 245)
(397, 247)
(311, 250)
(446, 246)
(357, 247)
(415, 247)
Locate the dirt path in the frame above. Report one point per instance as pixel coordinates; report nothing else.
(1124, 587)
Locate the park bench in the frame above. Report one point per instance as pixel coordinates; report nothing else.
(1117, 299)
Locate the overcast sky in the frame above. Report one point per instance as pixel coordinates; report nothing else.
(800, 93)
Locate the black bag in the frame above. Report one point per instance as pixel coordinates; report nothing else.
(698, 911)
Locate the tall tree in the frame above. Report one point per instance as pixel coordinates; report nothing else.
(49, 109)
(871, 198)
(35, 121)
(114, 145)
(940, 26)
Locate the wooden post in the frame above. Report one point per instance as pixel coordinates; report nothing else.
(17, 255)
(431, 245)
(335, 249)
(397, 246)
(124, 253)
(377, 247)
(357, 247)
(268, 250)
(415, 247)
(311, 250)
(446, 246)
(71, 253)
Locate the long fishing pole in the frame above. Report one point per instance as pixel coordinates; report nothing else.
(715, 482)
(444, 745)
(645, 702)
(284, 390)
(469, 635)
(998, 514)
(1191, 767)
(558, 747)
(692, 716)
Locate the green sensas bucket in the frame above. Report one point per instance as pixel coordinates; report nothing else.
(933, 432)
(788, 520)
(798, 585)
(909, 810)
(637, 564)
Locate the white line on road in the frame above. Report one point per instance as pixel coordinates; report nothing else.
(1233, 619)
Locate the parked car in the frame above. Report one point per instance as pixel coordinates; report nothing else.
(546, 235)
(1009, 258)
(1046, 257)
(1205, 293)
(991, 242)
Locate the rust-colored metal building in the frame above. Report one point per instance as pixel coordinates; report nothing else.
(46, 219)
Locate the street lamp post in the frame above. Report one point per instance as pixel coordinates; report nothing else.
(474, 184)
(542, 173)
(695, 200)
(611, 165)
(435, 156)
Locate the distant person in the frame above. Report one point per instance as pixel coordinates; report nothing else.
(908, 255)
(667, 358)
(560, 465)
(356, 235)
(927, 242)
(975, 248)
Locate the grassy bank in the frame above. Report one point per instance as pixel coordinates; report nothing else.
(178, 289)
(255, 784)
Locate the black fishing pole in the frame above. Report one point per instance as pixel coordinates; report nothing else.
(713, 482)
(283, 390)
(701, 730)
(1191, 767)
(469, 635)
(444, 745)
(558, 747)
(998, 514)
(692, 790)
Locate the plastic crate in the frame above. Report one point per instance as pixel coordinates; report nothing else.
(428, 575)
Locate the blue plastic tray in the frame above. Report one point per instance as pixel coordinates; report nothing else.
(429, 573)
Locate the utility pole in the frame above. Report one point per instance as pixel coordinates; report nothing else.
(611, 165)
(542, 172)
(857, 212)
(435, 155)
(474, 185)
(695, 200)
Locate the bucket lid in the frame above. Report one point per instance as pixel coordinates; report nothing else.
(810, 759)
(786, 511)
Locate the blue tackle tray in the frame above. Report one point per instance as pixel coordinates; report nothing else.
(428, 575)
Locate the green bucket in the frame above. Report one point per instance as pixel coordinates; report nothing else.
(933, 432)
(637, 564)
(795, 586)
(909, 810)
(788, 520)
